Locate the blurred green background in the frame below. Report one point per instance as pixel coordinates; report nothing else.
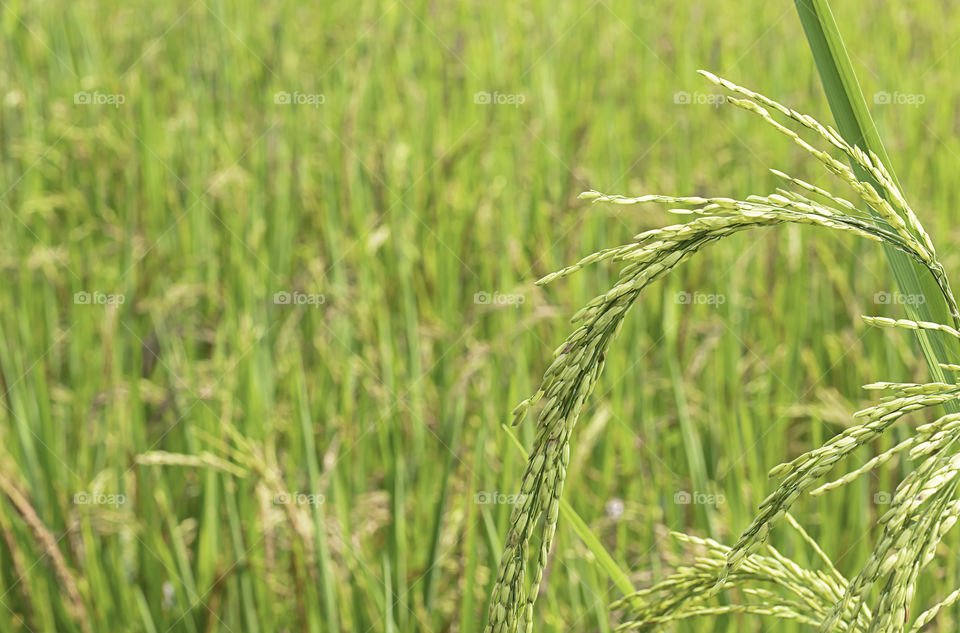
(184, 447)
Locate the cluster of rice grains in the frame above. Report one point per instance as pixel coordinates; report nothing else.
(922, 509)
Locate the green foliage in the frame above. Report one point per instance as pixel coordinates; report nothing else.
(204, 405)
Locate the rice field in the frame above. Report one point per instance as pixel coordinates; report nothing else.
(269, 300)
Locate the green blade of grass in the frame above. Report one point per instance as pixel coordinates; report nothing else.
(325, 564)
(856, 126)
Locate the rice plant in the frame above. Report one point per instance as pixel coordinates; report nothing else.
(924, 507)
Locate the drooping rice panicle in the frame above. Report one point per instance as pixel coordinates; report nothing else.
(922, 510)
(869, 161)
(778, 586)
(903, 219)
(923, 507)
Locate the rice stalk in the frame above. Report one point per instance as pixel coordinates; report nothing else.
(923, 508)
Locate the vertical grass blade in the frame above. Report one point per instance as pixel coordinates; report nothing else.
(856, 126)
